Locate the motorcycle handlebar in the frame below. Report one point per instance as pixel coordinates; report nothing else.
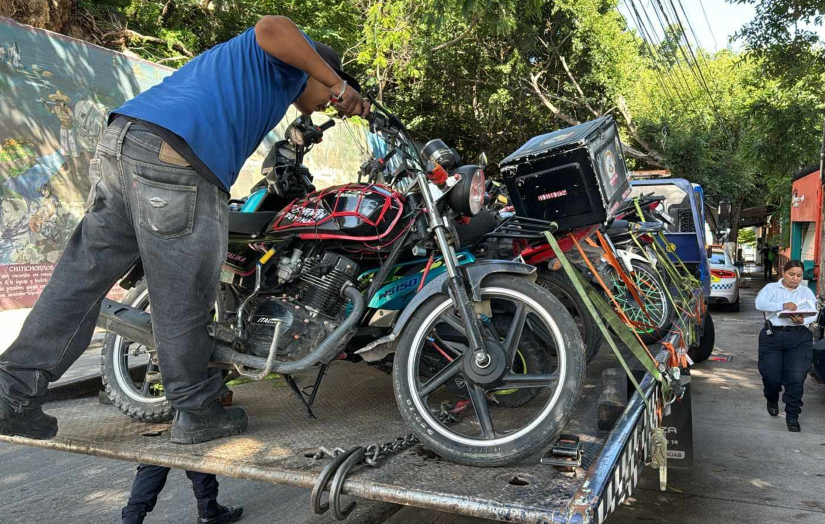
(377, 120)
(326, 125)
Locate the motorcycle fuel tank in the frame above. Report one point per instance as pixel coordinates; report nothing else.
(364, 217)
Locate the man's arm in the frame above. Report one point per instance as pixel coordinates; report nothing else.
(281, 38)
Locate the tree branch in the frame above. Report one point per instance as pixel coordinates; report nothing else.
(572, 78)
(460, 37)
(655, 156)
(632, 152)
(166, 12)
(534, 84)
(170, 59)
(128, 33)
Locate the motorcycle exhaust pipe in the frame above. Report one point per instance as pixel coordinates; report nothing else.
(136, 325)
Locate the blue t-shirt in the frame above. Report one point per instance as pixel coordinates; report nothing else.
(223, 102)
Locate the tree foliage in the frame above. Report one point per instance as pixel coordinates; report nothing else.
(486, 75)
(780, 36)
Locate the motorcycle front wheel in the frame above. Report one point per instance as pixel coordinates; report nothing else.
(469, 427)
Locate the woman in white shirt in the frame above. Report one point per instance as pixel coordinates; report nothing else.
(785, 355)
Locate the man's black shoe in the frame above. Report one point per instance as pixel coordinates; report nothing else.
(29, 423)
(193, 427)
(793, 425)
(223, 515)
(773, 408)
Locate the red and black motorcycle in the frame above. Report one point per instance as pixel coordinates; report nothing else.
(312, 275)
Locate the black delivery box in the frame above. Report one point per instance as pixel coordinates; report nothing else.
(575, 177)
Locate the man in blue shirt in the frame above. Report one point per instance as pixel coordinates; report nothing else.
(160, 181)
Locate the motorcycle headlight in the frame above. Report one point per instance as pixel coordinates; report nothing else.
(467, 197)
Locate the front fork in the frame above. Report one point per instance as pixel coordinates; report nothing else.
(457, 284)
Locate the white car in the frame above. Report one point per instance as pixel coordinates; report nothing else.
(724, 279)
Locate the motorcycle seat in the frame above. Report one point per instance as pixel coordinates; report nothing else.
(619, 227)
(249, 224)
(648, 227)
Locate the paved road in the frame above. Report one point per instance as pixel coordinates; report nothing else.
(748, 468)
(40, 486)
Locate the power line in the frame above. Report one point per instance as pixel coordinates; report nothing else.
(653, 42)
(678, 74)
(665, 25)
(702, 5)
(653, 57)
(693, 66)
(697, 42)
(695, 37)
(695, 61)
(675, 71)
(656, 68)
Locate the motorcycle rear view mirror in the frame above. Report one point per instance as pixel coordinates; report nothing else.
(482, 160)
(295, 134)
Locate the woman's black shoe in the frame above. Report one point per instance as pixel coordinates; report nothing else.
(223, 515)
(793, 425)
(773, 408)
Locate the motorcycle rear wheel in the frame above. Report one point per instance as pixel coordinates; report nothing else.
(562, 288)
(142, 399)
(656, 318)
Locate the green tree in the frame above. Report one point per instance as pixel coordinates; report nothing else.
(793, 55)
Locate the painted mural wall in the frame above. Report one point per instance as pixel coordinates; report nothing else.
(55, 96)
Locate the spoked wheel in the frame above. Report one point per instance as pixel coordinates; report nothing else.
(656, 318)
(140, 394)
(453, 405)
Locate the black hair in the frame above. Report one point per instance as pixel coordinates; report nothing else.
(792, 264)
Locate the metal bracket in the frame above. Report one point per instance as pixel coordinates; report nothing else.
(566, 453)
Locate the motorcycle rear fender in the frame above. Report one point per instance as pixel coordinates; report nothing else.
(475, 273)
(627, 257)
(133, 276)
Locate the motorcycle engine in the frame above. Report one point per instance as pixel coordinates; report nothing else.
(321, 280)
(307, 317)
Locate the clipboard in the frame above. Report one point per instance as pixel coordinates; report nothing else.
(802, 313)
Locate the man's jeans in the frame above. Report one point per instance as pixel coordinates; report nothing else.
(139, 207)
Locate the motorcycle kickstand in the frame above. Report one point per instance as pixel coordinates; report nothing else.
(302, 396)
(321, 372)
(323, 479)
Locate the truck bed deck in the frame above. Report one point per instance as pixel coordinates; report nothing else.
(356, 406)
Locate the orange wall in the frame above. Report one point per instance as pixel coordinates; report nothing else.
(806, 205)
(809, 209)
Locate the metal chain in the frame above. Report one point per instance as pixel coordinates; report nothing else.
(375, 452)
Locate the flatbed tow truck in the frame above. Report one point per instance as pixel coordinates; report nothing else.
(595, 469)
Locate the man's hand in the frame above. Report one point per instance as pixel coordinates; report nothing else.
(797, 319)
(789, 306)
(352, 104)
